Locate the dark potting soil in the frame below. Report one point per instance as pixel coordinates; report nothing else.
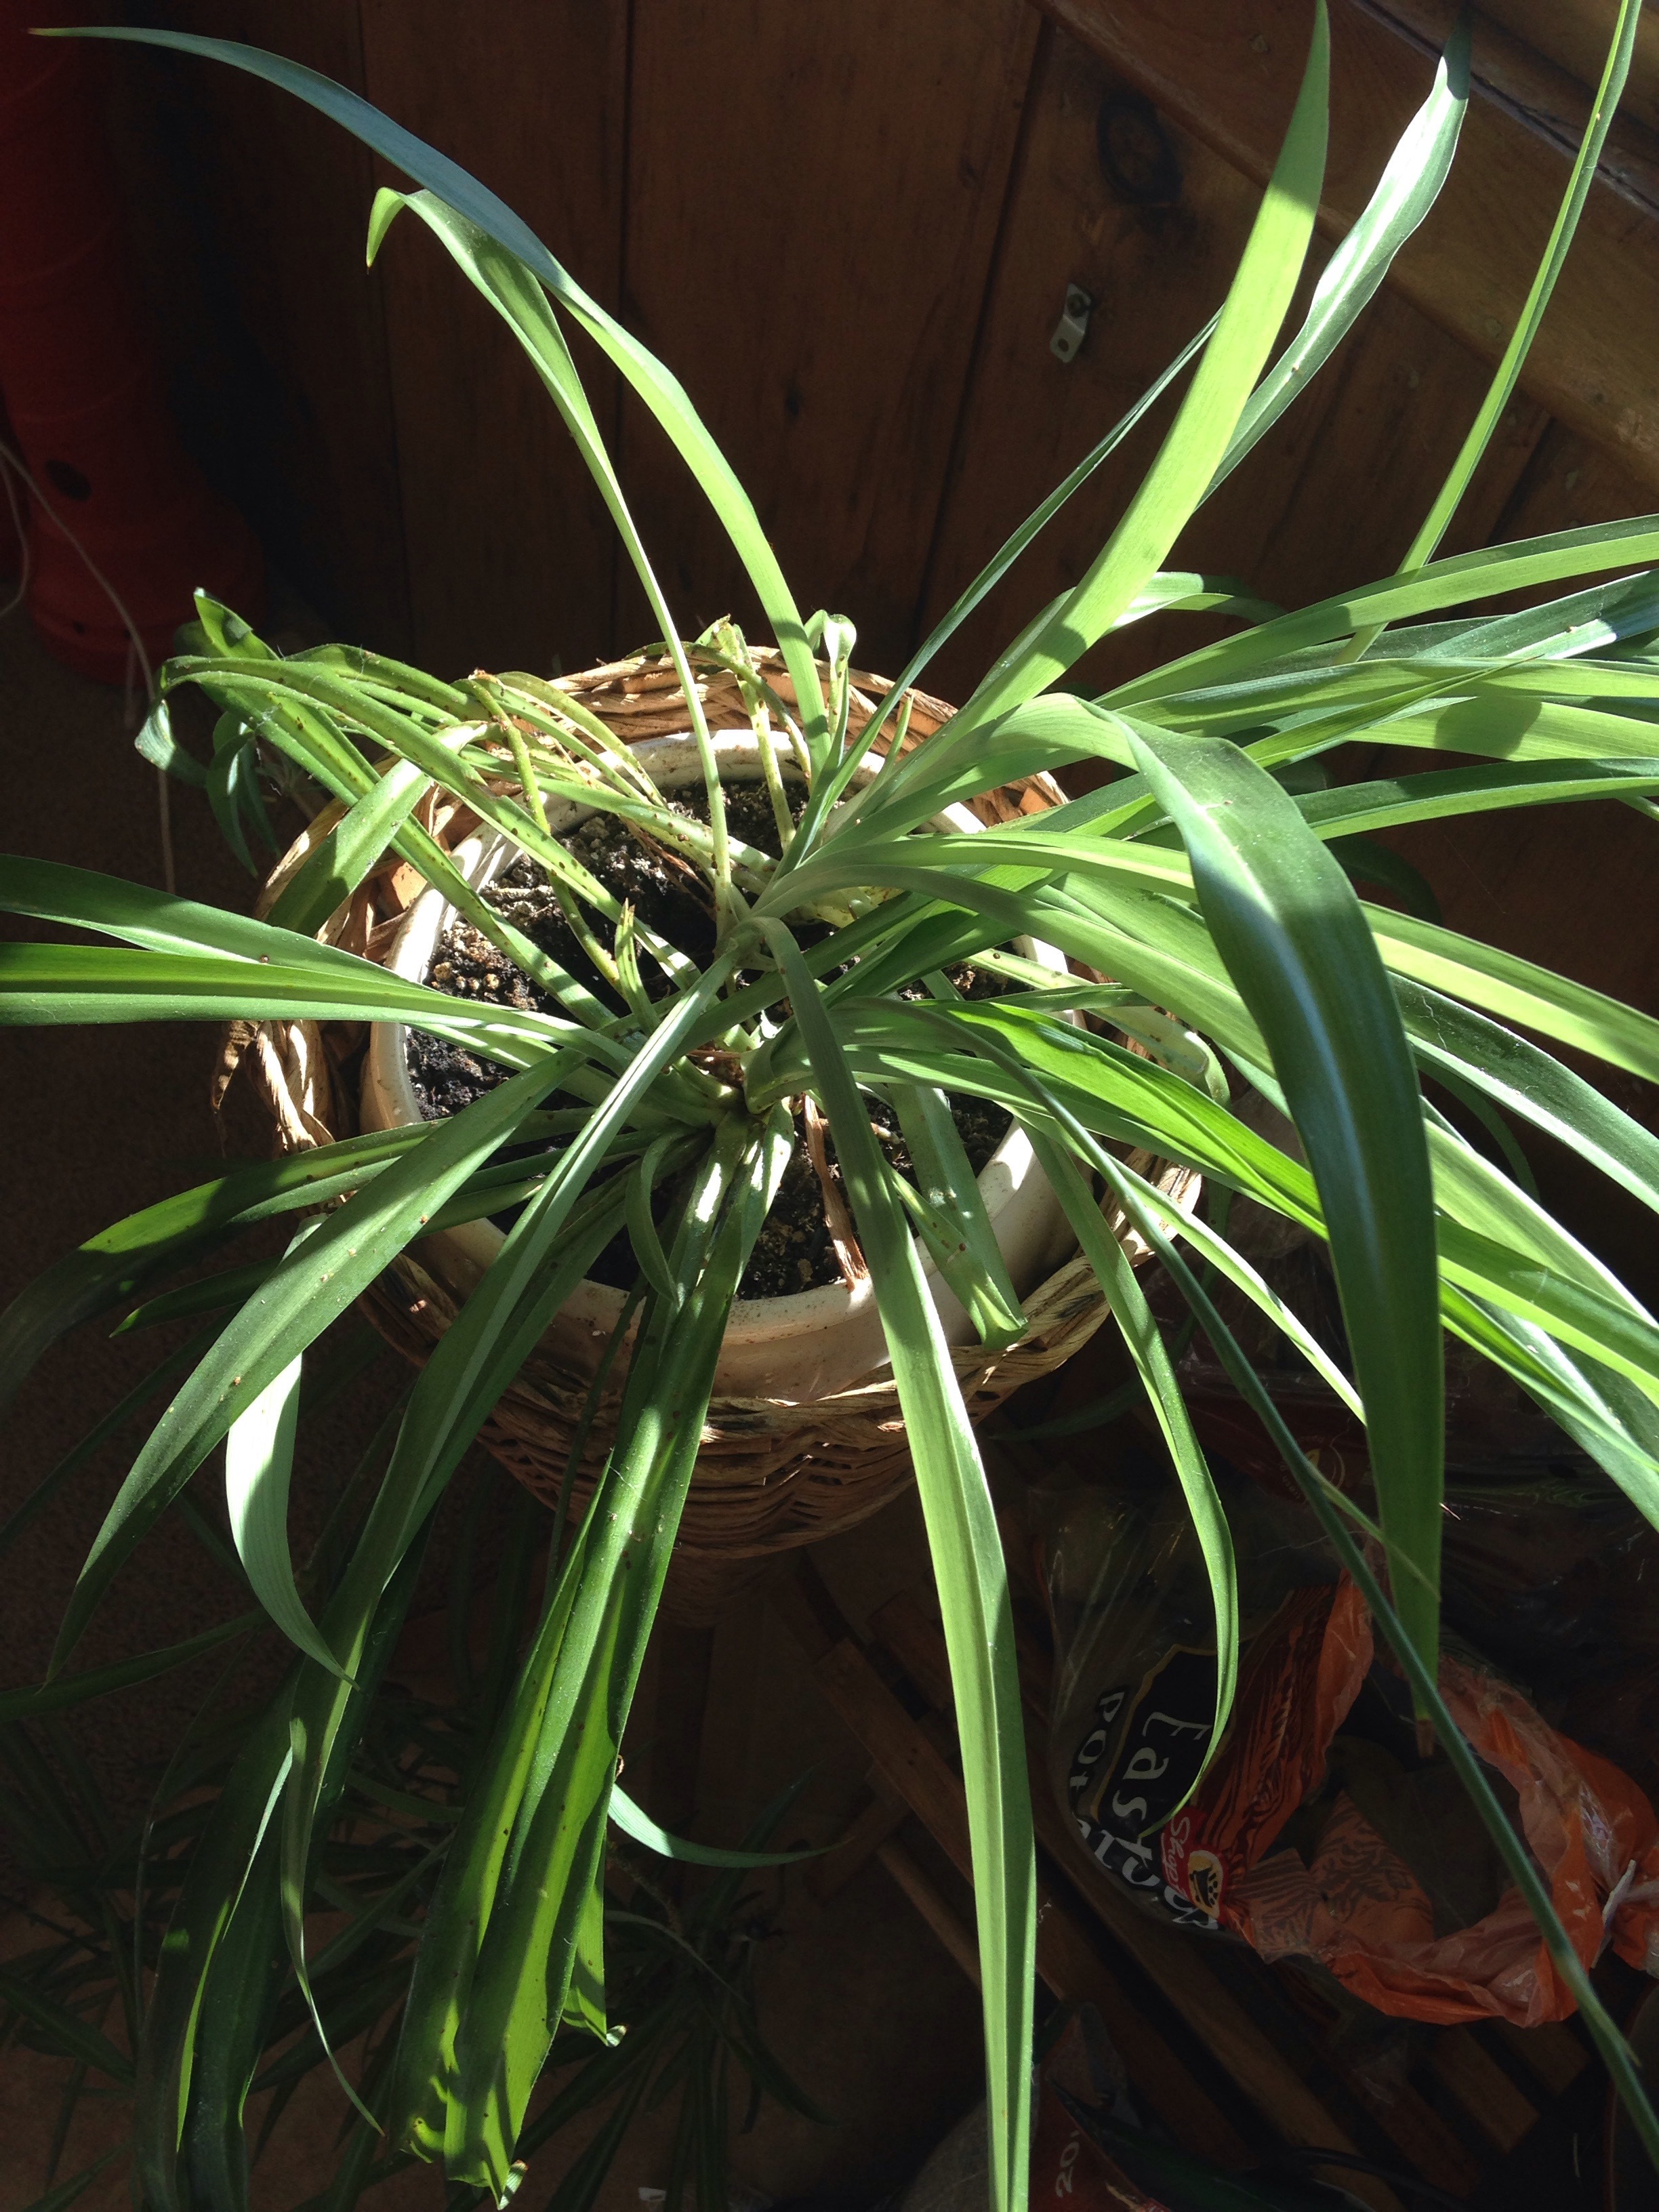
(793, 1251)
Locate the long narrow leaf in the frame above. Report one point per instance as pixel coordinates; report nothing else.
(122, 1674)
(973, 1587)
(1255, 306)
(1296, 943)
(1450, 494)
(639, 1825)
(313, 1285)
(258, 1467)
(1484, 574)
(659, 392)
(1407, 189)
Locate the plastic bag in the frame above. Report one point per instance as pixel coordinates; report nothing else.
(1318, 1830)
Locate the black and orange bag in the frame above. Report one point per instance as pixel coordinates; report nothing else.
(1318, 1830)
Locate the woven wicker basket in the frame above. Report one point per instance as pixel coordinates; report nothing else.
(769, 1476)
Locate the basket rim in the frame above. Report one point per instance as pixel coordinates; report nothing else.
(297, 1068)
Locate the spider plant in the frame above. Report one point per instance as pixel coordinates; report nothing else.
(1208, 880)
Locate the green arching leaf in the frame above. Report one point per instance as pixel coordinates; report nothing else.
(348, 851)
(108, 1268)
(313, 1285)
(395, 678)
(1484, 574)
(1005, 865)
(1296, 943)
(1150, 1355)
(68, 2031)
(954, 1224)
(1110, 1090)
(518, 1988)
(1556, 633)
(1364, 861)
(157, 922)
(643, 1829)
(228, 1286)
(1507, 1266)
(1507, 710)
(1238, 1271)
(172, 929)
(1605, 1414)
(1452, 1039)
(1475, 1102)
(642, 1228)
(184, 1355)
(224, 2042)
(1047, 732)
(423, 2079)
(973, 1588)
(1450, 494)
(546, 1252)
(1185, 591)
(71, 2192)
(1009, 550)
(1490, 717)
(156, 742)
(232, 785)
(59, 984)
(659, 392)
(471, 1366)
(1442, 1033)
(224, 630)
(1479, 1198)
(122, 1674)
(1519, 990)
(258, 1467)
(1256, 301)
(1370, 807)
(1406, 189)
(301, 708)
(513, 290)
(213, 1887)
(1615, 1331)
(227, 2032)
(584, 2003)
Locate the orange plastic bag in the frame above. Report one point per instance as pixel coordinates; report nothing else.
(1359, 1908)
(1307, 1835)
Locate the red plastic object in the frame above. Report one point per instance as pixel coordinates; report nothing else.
(82, 388)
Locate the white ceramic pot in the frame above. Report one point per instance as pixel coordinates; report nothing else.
(791, 1349)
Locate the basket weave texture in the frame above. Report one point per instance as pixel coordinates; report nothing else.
(769, 1475)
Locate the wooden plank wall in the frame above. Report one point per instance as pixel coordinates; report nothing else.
(248, 211)
(509, 554)
(850, 236)
(811, 254)
(851, 240)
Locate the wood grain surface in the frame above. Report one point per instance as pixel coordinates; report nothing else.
(812, 217)
(1330, 497)
(511, 552)
(1229, 76)
(257, 209)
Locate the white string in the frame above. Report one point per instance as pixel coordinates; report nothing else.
(12, 464)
